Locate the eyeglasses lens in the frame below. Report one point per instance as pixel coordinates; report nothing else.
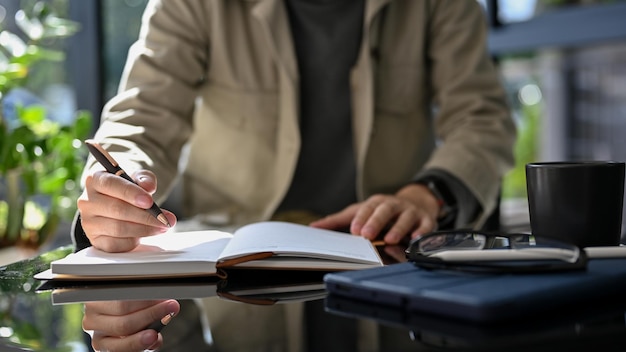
(529, 253)
(538, 249)
(450, 241)
(545, 248)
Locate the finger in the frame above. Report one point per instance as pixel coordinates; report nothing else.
(117, 241)
(114, 244)
(127, 324)
(171, 217)
(147, 339)
(104, 215)
(383, 214)
(119, 188)
(426, 224)
(146, 180)
(336, 221)
(364, 212)
(118, 307)
(96, 204)
(101, 199)
(115, 235)
(406, 222)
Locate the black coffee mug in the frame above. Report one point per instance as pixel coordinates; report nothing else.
(577, 202)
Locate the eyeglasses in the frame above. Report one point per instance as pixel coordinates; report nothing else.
(468, 250)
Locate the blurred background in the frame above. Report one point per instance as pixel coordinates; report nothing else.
(562, 62)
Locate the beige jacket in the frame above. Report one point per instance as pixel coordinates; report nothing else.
(221, 77)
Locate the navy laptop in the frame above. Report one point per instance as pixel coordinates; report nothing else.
(480, 297)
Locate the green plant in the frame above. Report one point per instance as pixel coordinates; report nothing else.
(40, 159)
(526, 151)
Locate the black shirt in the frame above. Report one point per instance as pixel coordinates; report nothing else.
(327, 37)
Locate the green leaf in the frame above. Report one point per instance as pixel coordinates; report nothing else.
(61, 142)
(83, 124)
(30, 177)
(31, 115)
(5, 84)
(12, 155)
(34, 54)
(25, 331)
(4, 62)
(47, 54)
(12, 44)
(41, 10)
(52, 182)
(15, 70)
(3, 136)
(56, 27)
(4, 214)
(32, 27)
(34, 216)
(34, 117)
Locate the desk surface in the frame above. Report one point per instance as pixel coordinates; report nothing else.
(28, 320)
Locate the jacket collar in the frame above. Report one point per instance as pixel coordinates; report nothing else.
(273, 15)
(275, 21)
(372, 7)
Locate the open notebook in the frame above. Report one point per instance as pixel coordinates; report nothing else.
(262, 245)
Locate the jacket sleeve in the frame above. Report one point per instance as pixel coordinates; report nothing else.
(147, 123)
(473, 121)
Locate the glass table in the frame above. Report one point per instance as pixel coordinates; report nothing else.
(30, 321)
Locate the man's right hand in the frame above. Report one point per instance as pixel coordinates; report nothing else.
(113, 210)
(123, 325)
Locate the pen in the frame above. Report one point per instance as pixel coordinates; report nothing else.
(161, 323)
(113, 167)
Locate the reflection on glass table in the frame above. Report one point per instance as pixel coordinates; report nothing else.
(601, 327)
(54, 328)
(29, 320)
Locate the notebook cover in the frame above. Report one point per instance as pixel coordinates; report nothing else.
(479, 297)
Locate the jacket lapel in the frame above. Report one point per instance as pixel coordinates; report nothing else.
(273, 17)
(362, 83)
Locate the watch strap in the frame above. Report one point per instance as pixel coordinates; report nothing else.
(447, 202)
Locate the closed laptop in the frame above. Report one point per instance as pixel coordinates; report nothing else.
(479, 297)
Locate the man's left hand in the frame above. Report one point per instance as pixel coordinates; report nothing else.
(412, 211)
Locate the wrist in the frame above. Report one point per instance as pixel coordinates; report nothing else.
(421, 197)
(445, 201)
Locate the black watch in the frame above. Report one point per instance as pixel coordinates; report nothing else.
(447, 202)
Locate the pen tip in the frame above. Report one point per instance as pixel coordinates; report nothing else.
(163, 220)
(166, 319)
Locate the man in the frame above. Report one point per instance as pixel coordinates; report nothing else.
(382, 117)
